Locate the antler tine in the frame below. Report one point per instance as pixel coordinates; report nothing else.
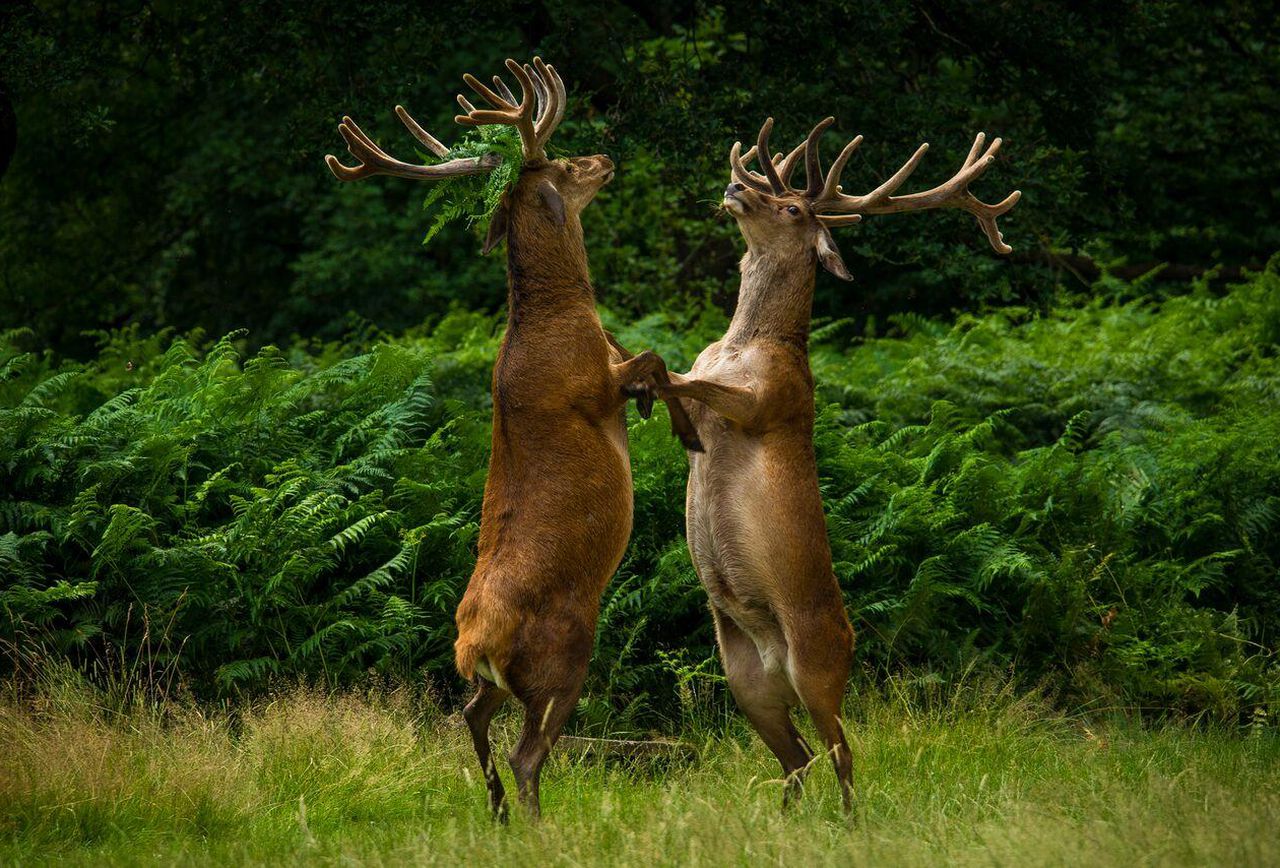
(375, 161)
(562, 95)
(541, 94)
(977, 147)
(744, 175)
(433, 144)
(557, 99)
(533, 149)
(503, 90)
(812, 163)
(762, 157)
(839, 219)
(788, 165)
(831, 188)
(953, 193)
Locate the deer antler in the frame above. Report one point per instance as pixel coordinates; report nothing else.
(375, 161)
(777, 179)
(834, 208)
(954, 193)
(536, 115)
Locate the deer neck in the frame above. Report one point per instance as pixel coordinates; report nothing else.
(775, 298)
(546, 265)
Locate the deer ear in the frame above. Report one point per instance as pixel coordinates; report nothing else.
(552, 199)
(497, 227)
(829, 256)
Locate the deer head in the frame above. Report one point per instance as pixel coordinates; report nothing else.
(550, 191)
(774, 215)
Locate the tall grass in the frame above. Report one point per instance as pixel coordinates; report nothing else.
(969, 775)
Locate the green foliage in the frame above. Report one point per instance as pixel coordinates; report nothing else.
(1093, 489)
(475, 197)
(177, 149)
(1090, 496)
(257, 516)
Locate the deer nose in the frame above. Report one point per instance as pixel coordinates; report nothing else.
(734, 187)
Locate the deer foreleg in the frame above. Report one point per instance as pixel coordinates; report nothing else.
(635, 376)
(638, 377)
(625, 353)
(735, 403)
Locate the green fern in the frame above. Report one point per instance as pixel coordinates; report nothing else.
(474, 198)
(1090, 496)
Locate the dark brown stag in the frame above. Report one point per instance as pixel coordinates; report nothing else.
(558, 500)
(755, 523)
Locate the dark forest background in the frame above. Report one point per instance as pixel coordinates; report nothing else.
(1060, 464)
(168, 165)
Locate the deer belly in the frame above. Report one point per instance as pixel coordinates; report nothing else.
(729, 528)
(618, 492)
(590, 492)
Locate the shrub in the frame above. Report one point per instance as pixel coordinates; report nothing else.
(1089, 497)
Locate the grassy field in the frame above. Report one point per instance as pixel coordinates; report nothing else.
(974, 777)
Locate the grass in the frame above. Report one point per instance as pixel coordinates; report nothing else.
(978, 776)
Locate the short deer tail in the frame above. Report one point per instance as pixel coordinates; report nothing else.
(484, 641)
(465, 655)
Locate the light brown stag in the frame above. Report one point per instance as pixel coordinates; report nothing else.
(755, 523)
(557, 505)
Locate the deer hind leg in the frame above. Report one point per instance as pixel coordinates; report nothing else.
(819, 666)
(478, 712)
(765, 698)
(544, 717)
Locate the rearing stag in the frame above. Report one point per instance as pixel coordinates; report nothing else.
(755, 523)
(557, 505)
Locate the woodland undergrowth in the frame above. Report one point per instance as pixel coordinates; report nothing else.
(1087, 497)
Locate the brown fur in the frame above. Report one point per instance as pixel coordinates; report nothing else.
(556, 515)
(558, 500)
(755, 523)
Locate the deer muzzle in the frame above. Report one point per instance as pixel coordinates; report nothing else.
(732, 201)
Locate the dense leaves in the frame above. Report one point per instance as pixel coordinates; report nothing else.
(1083, 489)
(251, 516)
(169, 166)
(1089, 496)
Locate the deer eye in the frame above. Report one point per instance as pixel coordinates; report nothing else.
(793, 210)
(571, 168)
